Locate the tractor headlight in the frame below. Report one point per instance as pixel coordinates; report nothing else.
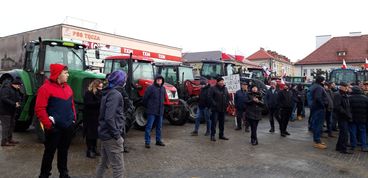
(172, 95)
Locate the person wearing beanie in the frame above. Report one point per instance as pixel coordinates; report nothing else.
(203, 108)
(253, 112)
(359, 109)
(111, 126)
(153, 100)
(342, 111)
(219, 101)
(10, 102)
(55, 110)
(285, 98)
(239, 100)
(318, 106)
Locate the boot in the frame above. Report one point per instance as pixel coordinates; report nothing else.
(207, 133)
(94, 150)
(194, 133)
(320, 146)
(246, 129)
(213, 138)
(272, 130)
(300, 118)
(238, 128)
(7, 144)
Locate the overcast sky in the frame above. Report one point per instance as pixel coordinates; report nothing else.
(236, 27)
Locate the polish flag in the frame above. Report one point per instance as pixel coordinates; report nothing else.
(344, 66)
(366, 63)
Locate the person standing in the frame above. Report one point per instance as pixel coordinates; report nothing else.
(10, 99)
(55, 110)
(343, 114)
(91, 112)
(359, 109)
(272, 105)
(219, 99)
(318, 105)
(285, 98)
(329, 108)
(203, 109)
(254, 104)
(239, 100)
(111, 125)
(153, 100)
(299, 100)
(294, 94)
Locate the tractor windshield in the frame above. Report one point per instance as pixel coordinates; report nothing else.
(212, 70)
(342, 75)
(257, 74)
(185, 73)
(169, 74)
(71, 57)
(141, 70)
(362, 75)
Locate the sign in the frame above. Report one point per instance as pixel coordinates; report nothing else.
(137, 52)
(232, 83)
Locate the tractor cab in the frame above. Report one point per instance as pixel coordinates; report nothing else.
(212, 69)
(362, 75)
(258, 73)
(343, 75)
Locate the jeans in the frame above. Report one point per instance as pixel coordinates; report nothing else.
(328, 118)
(7, 127)
(111, 154)
(317, 119)
(220, 117)
(204, 112)
(356, 128)
(253, 128)
(151, 119)
(303, 109)
(293, 115)
(342, 141)
(56, 139)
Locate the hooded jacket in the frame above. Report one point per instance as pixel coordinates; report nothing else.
(359, 106)
(111, 119)
(8, 97)
(154, 98)
(342, 106)
(203, 97)
(319, 98)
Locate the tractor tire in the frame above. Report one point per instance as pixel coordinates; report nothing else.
(179, 115)
(140, 118)
(193, 108)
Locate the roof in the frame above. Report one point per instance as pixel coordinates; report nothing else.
(262, 54)
(126, 57)
(356, 48)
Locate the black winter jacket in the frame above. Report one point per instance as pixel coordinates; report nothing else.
(219, 98)
(285, 99)
(91, 112)
(254, 109)
(342, 106)
(204, 101)
(8, 97)
(272, 98)
(359, 106)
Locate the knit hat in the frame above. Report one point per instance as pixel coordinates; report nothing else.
(117, 78)
(55, 70)
(219, 79)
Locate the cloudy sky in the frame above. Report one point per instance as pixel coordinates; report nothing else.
(233, 26)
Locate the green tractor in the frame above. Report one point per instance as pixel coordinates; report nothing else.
(38, 57)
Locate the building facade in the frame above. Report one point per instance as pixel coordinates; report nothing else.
(278, 64)
(352, 49)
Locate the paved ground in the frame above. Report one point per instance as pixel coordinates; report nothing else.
(187, 156)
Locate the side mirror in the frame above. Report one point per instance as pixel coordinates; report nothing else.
(30, 47)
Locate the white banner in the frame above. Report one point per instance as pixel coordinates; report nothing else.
(232, 83)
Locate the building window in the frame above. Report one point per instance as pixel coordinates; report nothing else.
(305, 72)
(341, 53)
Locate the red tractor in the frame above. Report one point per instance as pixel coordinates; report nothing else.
(141, 75)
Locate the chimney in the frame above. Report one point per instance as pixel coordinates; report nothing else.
(355, 33)
(322, 39)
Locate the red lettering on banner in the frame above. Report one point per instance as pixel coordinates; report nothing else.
(86, 35)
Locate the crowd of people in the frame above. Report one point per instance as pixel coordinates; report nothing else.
(343, 109)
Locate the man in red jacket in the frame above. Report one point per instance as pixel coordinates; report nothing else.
(56, 112)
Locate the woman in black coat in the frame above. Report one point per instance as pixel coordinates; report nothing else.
(253, 112)
(92, 101)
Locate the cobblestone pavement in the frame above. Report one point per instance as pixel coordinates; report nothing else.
(188, 156)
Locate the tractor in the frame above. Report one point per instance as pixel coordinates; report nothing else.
(38, 57)
(140, 72)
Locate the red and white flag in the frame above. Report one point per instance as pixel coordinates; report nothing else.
(344, 66)
(366, 63)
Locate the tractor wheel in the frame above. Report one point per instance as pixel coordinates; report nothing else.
(140, 118)
(178, 115)
(193, 108)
